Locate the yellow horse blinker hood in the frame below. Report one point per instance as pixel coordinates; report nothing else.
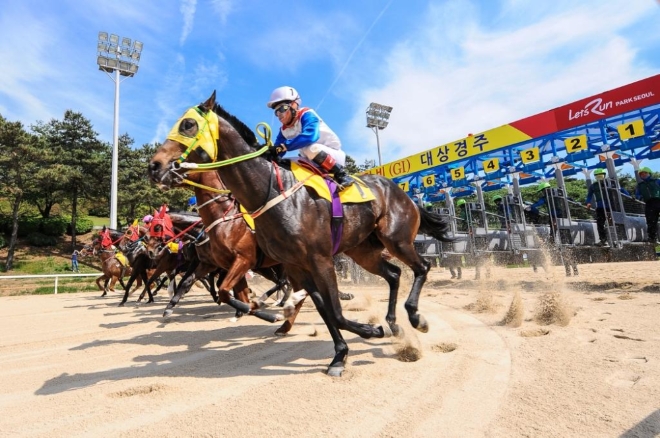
(205, 136)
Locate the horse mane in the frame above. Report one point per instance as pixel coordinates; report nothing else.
(246, 133)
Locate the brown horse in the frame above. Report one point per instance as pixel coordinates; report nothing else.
(294, 227)
(231, 246)
(113, 270)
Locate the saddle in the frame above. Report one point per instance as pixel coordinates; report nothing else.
(121, 258)
(316, 179)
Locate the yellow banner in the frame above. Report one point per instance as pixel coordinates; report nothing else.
(462, 149)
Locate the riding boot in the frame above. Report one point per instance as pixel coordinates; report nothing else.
(329, 164)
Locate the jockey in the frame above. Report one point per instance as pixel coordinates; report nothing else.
(106, 240)
(147, 219)
(133, 231)
(303, 130)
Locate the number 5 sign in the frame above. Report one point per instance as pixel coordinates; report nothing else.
(458, 173)
(429, 181)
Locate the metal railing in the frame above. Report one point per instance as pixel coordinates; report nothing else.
(56, 276)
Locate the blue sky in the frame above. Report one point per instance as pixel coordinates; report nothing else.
(447, 67)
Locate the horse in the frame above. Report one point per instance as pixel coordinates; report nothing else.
(113, 270)
(228, 243)
(294, 222)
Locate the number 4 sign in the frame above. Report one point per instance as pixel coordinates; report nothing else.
(492, 165)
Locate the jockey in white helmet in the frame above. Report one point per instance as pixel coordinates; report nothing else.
(303, 130)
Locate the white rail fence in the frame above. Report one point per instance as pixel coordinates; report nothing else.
(56, 276)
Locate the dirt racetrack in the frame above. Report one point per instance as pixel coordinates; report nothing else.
(78, 365)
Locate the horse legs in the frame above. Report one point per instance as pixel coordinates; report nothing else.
(404, 250)
(235, 279)
(336, 367)
(369, 256)
(127, 288)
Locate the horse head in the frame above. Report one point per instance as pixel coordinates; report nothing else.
(196, 138)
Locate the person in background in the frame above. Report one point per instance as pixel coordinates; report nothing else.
(303, 130)
(461, 215)
(456, 272)
(648, 190)
(598, 193)
(74, 261)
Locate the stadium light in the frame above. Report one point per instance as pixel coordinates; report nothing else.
(120, 60)
(378, 117)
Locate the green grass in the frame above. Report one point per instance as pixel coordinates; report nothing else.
(100, 221)
(50, 265)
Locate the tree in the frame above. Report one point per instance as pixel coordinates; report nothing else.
(19, 152)
(351, 166)
(79, 156)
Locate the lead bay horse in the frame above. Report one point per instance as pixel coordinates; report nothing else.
(294, 227)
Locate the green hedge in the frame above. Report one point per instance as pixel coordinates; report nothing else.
(52, 226)
(83, 226)
(3, 242)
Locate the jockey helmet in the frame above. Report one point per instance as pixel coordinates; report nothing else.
(283, 94)
(460, 202)
(497, 198)
(148, 218)
(645, 169)
(542, 186)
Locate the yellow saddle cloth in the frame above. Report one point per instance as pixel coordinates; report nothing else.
(121, 258)
(355, 193)
(173, 247)
(352, 194)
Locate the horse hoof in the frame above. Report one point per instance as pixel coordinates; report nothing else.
(233, 319)
(335, 371)
(280, 332)
(121, 304)
(422, 325)
(104, 294)
(279, 317)
(167, 313)
(397, 331)
(151, 301)
(345, 296)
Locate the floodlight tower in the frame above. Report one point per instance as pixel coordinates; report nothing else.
(378, 116)
(122, 60)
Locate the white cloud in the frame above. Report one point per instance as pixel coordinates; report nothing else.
(223, 8)
(455, 77)
(187, 9)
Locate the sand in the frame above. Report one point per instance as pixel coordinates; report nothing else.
(78, 365)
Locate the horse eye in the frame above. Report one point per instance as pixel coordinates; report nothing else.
(188, 127)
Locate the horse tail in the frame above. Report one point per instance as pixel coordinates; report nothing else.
(434, 225)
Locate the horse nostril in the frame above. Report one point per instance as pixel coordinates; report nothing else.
(154, 166)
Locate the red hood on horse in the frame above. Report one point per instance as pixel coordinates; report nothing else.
(161, 225)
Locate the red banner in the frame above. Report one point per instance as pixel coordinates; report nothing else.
(630, 97)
